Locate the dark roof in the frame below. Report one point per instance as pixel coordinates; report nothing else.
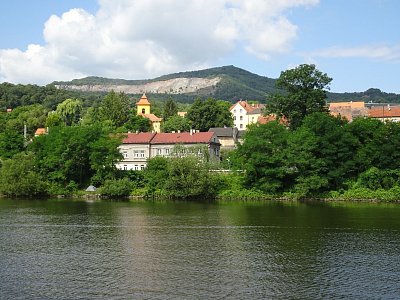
(224, 131)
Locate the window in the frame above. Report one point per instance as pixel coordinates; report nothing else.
(241, 126)
(234, 118)
(136, 167)
(241, 110)
(158, 151)
(142, 153)
(234, 111)
(125, 154)
(136, 153)
(241, 118)
(143, 111)
(141, 167)
(125, 167)
(167, 151)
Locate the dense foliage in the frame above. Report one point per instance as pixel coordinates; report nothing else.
(303, 93)
(324, 154)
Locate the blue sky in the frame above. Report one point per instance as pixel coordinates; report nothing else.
(356, 42)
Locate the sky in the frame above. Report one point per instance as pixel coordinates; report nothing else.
(356, 42)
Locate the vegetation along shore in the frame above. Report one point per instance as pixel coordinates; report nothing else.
(304, 152)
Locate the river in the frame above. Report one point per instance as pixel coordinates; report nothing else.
(61, 249)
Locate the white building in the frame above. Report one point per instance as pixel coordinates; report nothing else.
(245, 114)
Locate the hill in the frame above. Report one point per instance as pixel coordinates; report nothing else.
(228, 83)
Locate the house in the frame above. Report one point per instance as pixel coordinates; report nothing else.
(245, 114)
(144, 109)
(40, 131)
(385, 113)
(137, 148)
(348, 110)
(227, 136)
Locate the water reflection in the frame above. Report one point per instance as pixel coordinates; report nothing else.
(80, 250)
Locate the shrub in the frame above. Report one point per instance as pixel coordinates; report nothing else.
(116, 188)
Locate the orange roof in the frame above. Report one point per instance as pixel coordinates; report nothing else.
(138, 138)
(384, 111)
(152, 117)
(40, 131)
(270, 118)
(143, 101)
(183, 138)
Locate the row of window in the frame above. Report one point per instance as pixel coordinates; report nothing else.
(240, 111)
(136, 153)
(135, 167)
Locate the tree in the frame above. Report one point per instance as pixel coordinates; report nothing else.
(176, 123)
(303, 93)
(263, 156)
(116, 108)
(11, 143)
(70, 111)
(18, 177)
(138, 123)
(170, 109)
(78, 153)
(209, 113)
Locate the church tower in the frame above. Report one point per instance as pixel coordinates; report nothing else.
(143, 106)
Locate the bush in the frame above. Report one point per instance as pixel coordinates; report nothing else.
(116, 188)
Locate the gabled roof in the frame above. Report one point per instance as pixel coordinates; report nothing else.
(183, 138)
(143, 100)
(138, 138)
(385, 111)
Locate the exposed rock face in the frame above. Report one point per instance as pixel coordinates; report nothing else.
(171, 86)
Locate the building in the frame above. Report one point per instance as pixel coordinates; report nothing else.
(385, 113)
(137, 148)
(144, 109)
(348, 110)
(40, 131)
(227, 136)
(245, 114)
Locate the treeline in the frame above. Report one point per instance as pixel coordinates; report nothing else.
(325, 156)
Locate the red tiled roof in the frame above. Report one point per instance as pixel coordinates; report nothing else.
(384, 111)
(138, 138)
(183, 138)
(270, 118)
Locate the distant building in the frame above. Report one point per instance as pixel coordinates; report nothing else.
(385, 113)
(8, 110)
(40, 131)
(137, 148)
(227, 136)
(348, 110)
(245, 114)
(144, 108)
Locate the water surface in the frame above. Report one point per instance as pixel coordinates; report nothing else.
(120, 250)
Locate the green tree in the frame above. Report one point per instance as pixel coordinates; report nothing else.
(116, 108)
(176, 123)
(170, 109)
(11, 143)
(304, 92)
(137, 123)
(70, 111)
(53, 119)
(18, 177)
(77, 153)
(263, 156)
(209, 113)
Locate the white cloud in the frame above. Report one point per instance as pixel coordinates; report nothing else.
(374, 52)
(136, 39)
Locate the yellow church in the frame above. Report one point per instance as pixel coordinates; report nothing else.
(143, 109)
